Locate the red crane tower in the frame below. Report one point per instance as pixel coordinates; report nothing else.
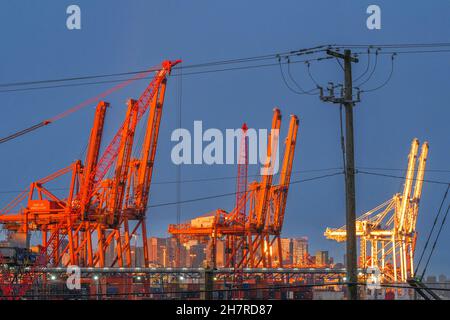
(265, 208)
(97, 213)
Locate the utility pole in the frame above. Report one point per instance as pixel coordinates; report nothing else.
(346, 99)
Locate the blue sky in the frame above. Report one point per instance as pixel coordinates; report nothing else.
(119, 36)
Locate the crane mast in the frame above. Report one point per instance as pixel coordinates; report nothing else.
(92, 154)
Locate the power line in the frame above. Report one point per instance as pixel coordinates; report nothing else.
(400, 177)
(69, 79)
(371, 73)
(74, 109)
(225, 62)
(247, 60)
(394, 45)
(230, 177)
(296, 83)
(435, 242)
(140, 76)
(367, 67)
(147, 78)
(302, 91)
(233, 177)
(398, 52)
(399, 169)
(196, 180)
(310, 75)
(386, 81)
(233, 193)
(432, 229)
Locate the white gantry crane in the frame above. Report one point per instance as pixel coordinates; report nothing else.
(387, 233)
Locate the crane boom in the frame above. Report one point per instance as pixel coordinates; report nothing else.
(123, 162)
(92, 154)
(111, 152)
(286, 170)
(418, 186)
(266, 183)
(421, 171)
(408, 183)
(145, 170)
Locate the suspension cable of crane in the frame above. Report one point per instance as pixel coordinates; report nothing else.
(77, 107)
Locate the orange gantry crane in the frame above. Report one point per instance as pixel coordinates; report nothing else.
(97, 213)
(253, 228)
(387, 233)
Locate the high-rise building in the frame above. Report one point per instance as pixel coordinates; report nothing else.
(172, 252)
(137, 256)
(294, 251)
(158, 252)
(286, 251)
(196, 254)
(220, 253)
(176, 253)
(299, 251)
(322, 258)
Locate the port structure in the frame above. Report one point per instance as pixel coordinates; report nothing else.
(98, 212)
(253, 228)
(387, 234)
